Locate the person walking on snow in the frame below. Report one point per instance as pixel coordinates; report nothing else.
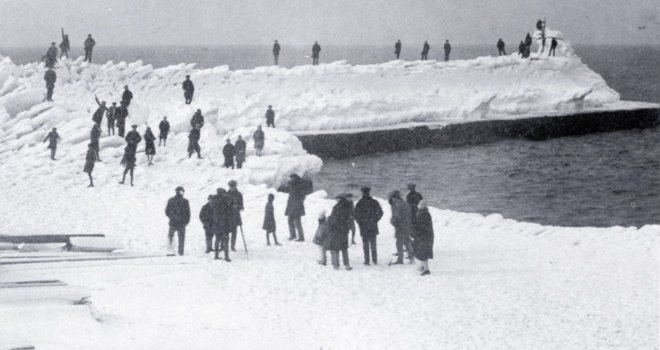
(259, 138)
(50, 77)
(121, 114)
(65, 45)
(222, 214)
(229, 151)
(188, 89)
(447, 48)
(316, 50)
(397, 49)
(164, 128)
(193, 142)
(89, 47)
(367, 214)
(500, 48)
(269, 220)
(178, 211)
(94, 136)
(423, 238)
(111, 116)
(276, 52)
(402, 222)
(338, 227)
(270, 117)
(553, 47)
(53, 137)
(236, 201)
(197, 119)
(126, 96)
(90, 158)
(413, 199)
(149, 146)
(295, 206)
(425, 51)
(206, 217)
(98, 114)
(240, 146)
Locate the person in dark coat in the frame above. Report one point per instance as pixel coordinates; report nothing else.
(222, 216)
(447, 48)
(126, 96)
(65, 45)
(322, 238)
(397, 49)
(50, 77)
(197, 119)
(553, 47)
(316, 50)
(276, 52)
(206, 217)
(111, 116)
(51, 56)
(133, 138)
(95, 135)
(121, 114)
(178, 211)
(193, 143)
(521, 49)
(236, 201)
(240, 146)
(338, 227)
(528, 43)
(402, 222)
(423, 238)
(149, 145)
(90, 158)
(128, 161)
(295, 206)
(367, 213)
(425, 51)
(413, 199)
(53, 137)
(89, 47)
(270, 117)
(188, 89)
(500, 48)
(269, 220)
(100, 111)
(229, 152)
(258, 138)
(164, 128)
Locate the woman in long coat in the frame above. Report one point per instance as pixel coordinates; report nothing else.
(149, 145)
(339, 224)
(423, 234)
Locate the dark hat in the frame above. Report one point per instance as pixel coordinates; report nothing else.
(232, 183)
(187, 76)
(220, 190)
(134, 126)
(179, 189)
(365, 190)
(411, 186)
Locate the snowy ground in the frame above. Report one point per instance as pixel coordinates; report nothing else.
(496, 283)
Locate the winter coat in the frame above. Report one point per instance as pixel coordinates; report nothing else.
(164, 128)
(500, 44)
(128, 159)
(229, 151)
(95, 134)
(553, 43)
(397, 47)
(367, 213)
(270, 115)
(90, 158)
(121, 115)
(426, 48)
(98, 114)
(111, 114)
(528, 40)
(206, 216)
(401, 218)
(197, 119)
(126, 97)
(321, 237)
(236, 199)
(276, 49)
(50, 77)
(52, 138)
(316, 49)
(89, 43)
(447, 48)
(413, 198)
(188, 86)
(423, 234)
(133, 137)
(222, 215)
(295, 205)
(150, 147)
(258, 137)
(339, 223)
(269, 218)
(178, 211)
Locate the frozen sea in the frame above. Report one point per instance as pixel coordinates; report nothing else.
(596, 180)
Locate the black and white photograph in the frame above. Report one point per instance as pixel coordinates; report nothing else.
(329, 174)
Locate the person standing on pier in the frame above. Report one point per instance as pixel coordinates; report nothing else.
(500, 48)
(425, 51)
(276, 52)
(89, 47)
(229, 151)
(178, 211)
(65, 45)
(258, 138)
(126, 96)
(316, 51)
(270, 117)
(188, 89)
(367, 214)
(193, 142)
(149, 146)
(402, 222)
(53, 137)
(90, 158)
(240, 146)
(397, 49)
(164, 128)
(447, 48)
(50, 77)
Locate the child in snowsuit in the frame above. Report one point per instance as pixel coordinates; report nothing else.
(269, 220)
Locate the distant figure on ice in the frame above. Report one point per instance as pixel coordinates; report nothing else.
(149, 146)
(528, 44)
(197, 119)
(126, 96)
(338, 227)
(222, 215)
(540, 25)
(111, 116)
(193, 142)
(206, 217)
(269, 220)
(447, 48)
(164, 128)
(50, 77)
(133, 137)
(51, 56)
(178, 211)
(276, 52)
(98, 114)
(53, 137)
(89, 47)
(423, 238)
(402, 222)
(90, 158)
(121, 114)
(521, 49)
(65, 45)
(316, 50)
(397, 49)
(295, 206)
(236, 200)
(322, 238)
(425, 51)
(367, 214)
(500, 48)
(413, 198)
(129, 159)
(259, 138)
(229, 151)
(270, 117)
(94, 137)
(239, 147)
(553, 47)
(188, 89)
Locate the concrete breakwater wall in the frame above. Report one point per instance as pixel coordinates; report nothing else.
(347, 144)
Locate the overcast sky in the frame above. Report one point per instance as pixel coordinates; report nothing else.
(221, 22)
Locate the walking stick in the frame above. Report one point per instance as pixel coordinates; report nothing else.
(244, 245)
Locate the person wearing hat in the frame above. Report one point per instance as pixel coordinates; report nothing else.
(193, 142)
(270, 117)
(178, 211)
(367, 214)
(229, 151)
(126, 96)
(53, 137)
(222, 221)
(90, 158)
(236, 200)
(413, 199)
(295, 206)
(206, 217)
(402, 222)
(133, 138)
(188, 89)
(423, 235)
(338, 228)
(164, 128)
